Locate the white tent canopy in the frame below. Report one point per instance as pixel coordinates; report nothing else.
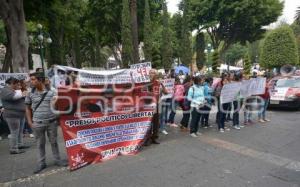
(231, 68)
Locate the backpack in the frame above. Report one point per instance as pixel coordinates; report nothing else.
(187, 102)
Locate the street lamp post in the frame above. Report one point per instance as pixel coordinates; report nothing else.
(41, 43)
(208, 50)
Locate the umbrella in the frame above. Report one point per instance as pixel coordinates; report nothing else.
(184, 69)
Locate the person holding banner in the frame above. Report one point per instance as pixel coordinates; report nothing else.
(222, 107)
(40, 102)
(196, 96)
(266, 99)
(155, 88)
(237, 104)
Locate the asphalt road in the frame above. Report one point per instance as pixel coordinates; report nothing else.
(258, 155)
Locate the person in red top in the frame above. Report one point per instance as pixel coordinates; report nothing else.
(155, 88)
(265, 102)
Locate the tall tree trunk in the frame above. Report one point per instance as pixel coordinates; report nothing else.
(12, 13)
(8, 58)
(135, 36)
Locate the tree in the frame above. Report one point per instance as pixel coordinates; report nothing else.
(134, 31)
(225, 20)
(279, 48)
(12, 14)
(166, 49)
(186, 46)
(147, 33)
(127, 44)
(297, 17)
(200, 48)
(247, 64)
(215, 62)
(234, 53)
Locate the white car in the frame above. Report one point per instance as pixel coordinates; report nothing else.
(285, 92)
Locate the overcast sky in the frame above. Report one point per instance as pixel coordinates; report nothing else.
(288, 13)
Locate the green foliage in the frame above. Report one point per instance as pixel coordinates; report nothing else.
(254, 51)
(186, 44)
(247, 64)
(200, 47)
(166, 49)
(297, 17)
(233, 21)
(234, 53)
(215, 61)
(148, 44)
(279, 48)
(127, 44)
(296, 29)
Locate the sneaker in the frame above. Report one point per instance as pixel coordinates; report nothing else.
(164, 132)
(227, 128)
(194, 135)
(17, 152)
(210, 126)
(198, 133)
(31, 135)
(242, 126)
(205, 127)
(261, 121)
(267, 120)
(222, 130)
(237, 127)
(174, 125)
(9, 136)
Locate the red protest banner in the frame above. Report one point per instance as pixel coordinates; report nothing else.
(100, 122)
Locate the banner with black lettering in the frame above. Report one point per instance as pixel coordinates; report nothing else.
(102, 121)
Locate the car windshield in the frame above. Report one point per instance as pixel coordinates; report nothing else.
(295, 83)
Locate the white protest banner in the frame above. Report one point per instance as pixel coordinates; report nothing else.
(230, 92)
(90, 77)
(169, 85)
(257, 86)
(245, 85)
(5, 76)
(140, 72)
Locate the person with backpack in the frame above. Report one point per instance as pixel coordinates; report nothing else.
(41, 118)
(196, 96)
(176, 101)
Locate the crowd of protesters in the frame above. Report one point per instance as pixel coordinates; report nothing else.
(195, 95)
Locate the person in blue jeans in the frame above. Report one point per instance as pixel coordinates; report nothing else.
(196, 96)
(205, 110)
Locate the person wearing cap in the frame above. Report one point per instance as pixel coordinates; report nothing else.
(14, 113)
(42, 120)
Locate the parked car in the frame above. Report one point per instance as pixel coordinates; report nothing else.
(285, 92)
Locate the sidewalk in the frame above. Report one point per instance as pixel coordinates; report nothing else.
(18, 166)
